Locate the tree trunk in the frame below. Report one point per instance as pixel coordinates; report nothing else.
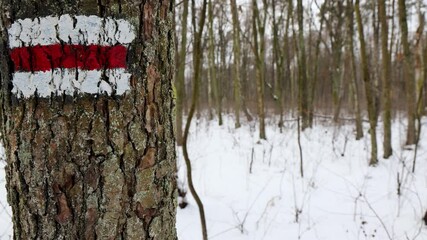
(236, 62)
(408, 74)
(386, 79)
(337, 42)
(259, 50)
(94, 159)
(180, 78)
(368, 87)
(354, 86)
(302, 72)
(222, 51)
(315, 75)
(375, 71)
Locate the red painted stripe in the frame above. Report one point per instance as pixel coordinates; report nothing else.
(45, 58)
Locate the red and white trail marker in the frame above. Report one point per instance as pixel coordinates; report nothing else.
(70, 54)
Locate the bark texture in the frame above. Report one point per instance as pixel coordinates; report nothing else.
(87, 166)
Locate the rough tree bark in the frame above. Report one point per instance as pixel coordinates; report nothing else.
(94, 166)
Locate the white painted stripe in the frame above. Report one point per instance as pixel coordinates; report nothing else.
(70, 82)
(84, 30)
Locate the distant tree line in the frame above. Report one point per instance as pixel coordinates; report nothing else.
(292, 59)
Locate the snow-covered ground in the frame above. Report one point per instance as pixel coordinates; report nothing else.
(5, 210)
(252, 189)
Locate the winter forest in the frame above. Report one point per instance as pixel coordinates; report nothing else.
(297, 119)
(333, 96)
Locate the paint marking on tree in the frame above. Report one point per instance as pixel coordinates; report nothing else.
(69, 55)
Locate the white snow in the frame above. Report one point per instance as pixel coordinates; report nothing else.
(5, 210)
(340, 196)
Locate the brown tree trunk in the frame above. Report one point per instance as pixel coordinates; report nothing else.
(370, 99)
(337, 43)
(258, 27)
(211, 63)
(93, 166)
(180, 77)
(354, 86)
(236, 62)
(408, 73)
(386, 79)
(375, 59)
(315, 74)
(302, 70)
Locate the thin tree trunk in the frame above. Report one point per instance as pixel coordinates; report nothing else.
(408, 74)
(302, 70)
(313, 84)
(278, 61)
(368, 87)
(258, 49)
(91, 162)
(236, 51)
(354, 86)
(338, 66)
(244, 81)
(197, 62)
(222, 80)
(180, 78)
(376, 76)
(212, 67)
(386, 79)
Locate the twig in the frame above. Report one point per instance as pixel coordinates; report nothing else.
(252, 161)
(378, 217)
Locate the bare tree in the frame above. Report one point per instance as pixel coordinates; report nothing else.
(236, 62)
(386, 79)
(214, 81)
(368, 86)
(302, 70)
(408, 74)
(258, 31)
(197, 62)
(354, 86)
(180, 77)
